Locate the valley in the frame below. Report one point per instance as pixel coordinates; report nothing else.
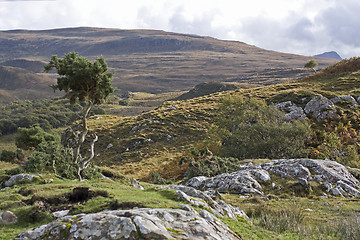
(201, 139)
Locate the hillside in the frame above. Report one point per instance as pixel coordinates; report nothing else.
(18, 83)
(312, 197)
(156, 61)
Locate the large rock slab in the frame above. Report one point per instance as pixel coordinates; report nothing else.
(249, 178)
(292, 111)
(142, 223)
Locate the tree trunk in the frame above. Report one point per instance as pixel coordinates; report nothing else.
(83, 133)
(84, 164)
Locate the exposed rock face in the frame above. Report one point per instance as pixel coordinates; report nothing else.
(248, 179)
(142, 223)
(292, 112)
(7, 218)
(242, 181)
(320, 107)
(19, 177)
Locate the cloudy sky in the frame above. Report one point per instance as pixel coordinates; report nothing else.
(304, 27)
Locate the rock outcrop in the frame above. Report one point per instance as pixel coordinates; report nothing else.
(249, 178)
(319, 107)
(142, 223)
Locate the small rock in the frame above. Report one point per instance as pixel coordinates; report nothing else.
(303, 182)
(136, 184)
(109, 146)
(59, 214)
(7, 218)
(328, 187)
(50, 180)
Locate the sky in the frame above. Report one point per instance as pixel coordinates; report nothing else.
(305, 27)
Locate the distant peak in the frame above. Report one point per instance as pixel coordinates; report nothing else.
(331, 54)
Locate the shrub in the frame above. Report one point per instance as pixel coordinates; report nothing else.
(203, 163)
(248, 128)
(7, 156)
(53, 157)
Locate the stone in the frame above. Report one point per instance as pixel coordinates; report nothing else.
(344, 98)
(7, 218)
(292, 111)
(141, 223)
(136, 184)
(303, 182)
(320, 107)
(13, 180)
(62, 213)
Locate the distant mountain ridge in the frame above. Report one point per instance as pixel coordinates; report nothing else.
(154, 61)
(331, 54)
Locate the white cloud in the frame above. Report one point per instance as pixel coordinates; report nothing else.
(300, 26)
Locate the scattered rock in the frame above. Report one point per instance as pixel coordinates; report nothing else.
(142, 223)
(7, 218)
(19, 177)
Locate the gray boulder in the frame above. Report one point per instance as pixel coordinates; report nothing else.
(7, 218)
(292, 111)
(244, 181)
(320, 107)
(344, 98)
(142, 223)
(19, 177)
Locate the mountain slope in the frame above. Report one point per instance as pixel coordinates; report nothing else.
(157, 61)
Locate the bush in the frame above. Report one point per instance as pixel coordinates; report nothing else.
(248, 128)
(203, 163)
(7, 156)
(30, 138)
(53, 157)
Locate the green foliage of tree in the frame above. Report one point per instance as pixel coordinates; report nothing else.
(311, 64)
(248, 128)
(30, 138)
(83, 81)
